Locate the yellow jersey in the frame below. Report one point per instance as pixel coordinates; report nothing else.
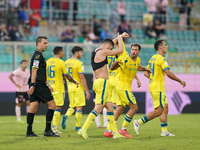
(128, 70)
(158, 64)
(113, 74)
(55, 70)
(75, 67)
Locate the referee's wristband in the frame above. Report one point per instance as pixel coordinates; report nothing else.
(32, 84)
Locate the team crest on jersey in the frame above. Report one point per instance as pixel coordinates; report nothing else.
(36, 63)
(37, 57)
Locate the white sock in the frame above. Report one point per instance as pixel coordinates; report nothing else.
(105, 117)
(108, 130)
(164, 131)
(138, 121)
(54, 127)
(18, 112)
(123, 128)
(97, 119)
(27, 109)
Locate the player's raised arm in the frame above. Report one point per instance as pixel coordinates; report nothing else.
(118, 51)
(114, 65)
(124, 35)
(173, 77)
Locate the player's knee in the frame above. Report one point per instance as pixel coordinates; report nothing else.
(18, 104)
(158, 112)
(110, 109)
(32, 109)
(52, 106)
(136, 109)
(120, 109)
(98, 109)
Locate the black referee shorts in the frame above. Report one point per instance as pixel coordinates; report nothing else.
(41, 93)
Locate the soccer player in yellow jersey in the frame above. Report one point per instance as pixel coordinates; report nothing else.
(113, 79)
(159, 66)
(76, 94)
(55, 70)
(101, 84)
(128, 66)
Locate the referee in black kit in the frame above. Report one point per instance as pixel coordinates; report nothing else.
(39, 89)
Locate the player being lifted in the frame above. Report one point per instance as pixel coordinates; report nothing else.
(101, 84)
(159, 66)
(55, 70)
(128, 66)
(76, 94)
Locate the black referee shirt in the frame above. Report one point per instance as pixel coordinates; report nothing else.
(39, 62)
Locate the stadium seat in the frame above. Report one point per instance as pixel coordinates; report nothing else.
(19, 59)
(32, 38)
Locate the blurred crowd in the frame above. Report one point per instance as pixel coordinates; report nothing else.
(95, 33)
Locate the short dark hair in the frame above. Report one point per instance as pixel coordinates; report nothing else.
(57, 49)
(138, 45)
(76, 49)
(23, 61)
(157, 44)
(108, 40)
(39, 39)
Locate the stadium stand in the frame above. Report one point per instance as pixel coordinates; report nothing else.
(184, 46)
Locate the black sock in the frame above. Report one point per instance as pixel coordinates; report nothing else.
(49, 117)
(30, 117)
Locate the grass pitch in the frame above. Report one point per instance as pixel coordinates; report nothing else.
(186, 127)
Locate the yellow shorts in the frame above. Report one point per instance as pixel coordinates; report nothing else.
(101, 88)
(113, 94)
(159, 98)
(76, 98)
(125, 97)
(59, 98)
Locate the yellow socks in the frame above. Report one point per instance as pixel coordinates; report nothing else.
(78, 117)
(163, 126)
(69, 112)
(56, 117)
(143, 120)
(93, 114)
(127, 121)
(111, 122)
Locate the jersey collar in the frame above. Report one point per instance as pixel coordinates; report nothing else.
(132, 59)
(73, 58)
(57, 57)
(38, 50)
